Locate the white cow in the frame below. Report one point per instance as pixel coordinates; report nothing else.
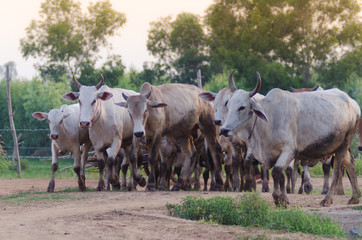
(308, 126)
(66, 135)
(110, 127)
(233, 147)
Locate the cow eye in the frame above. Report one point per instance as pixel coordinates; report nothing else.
(241, 108)
(226, 103)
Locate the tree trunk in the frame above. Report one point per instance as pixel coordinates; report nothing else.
(12, 125)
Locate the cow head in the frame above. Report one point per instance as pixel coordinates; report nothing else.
(138, 108)
(242, 106)
(55, 119)
(220, 100)
(89, 98)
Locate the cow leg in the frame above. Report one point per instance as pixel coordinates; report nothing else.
(208, 129)
(308, 187)
(84, 160)
(101, 166)
(326, 172)
(55, 151)
(265, 177)
(228, 171)
(235, 168)
(250, 182)
(295, 174)
(352, 175)
(289, 172)
(339, 188)
(133, 156)
(328, 200)
(124, 168)
(300, 191)
(77, 169)
(153, 157)
(111, 164)
(188, 153)
(279, 196)
(197, 172)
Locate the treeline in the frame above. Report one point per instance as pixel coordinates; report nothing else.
(290, 43)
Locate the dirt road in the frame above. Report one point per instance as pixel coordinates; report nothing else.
(132, 215)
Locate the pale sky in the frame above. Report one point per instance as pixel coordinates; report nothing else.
(130, 43)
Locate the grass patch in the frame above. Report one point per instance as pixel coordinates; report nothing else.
(359, 208)
(31, 196)
(251, 210)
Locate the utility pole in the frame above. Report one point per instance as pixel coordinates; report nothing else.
(12, 125)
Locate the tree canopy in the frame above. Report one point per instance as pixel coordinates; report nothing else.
(65, 38)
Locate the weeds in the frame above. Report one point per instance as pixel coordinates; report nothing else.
(251, 210)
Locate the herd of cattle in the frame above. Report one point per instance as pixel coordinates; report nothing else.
(183, 129)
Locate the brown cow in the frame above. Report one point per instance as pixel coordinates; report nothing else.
(175, 111)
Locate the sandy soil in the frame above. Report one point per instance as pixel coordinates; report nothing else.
(135, 215)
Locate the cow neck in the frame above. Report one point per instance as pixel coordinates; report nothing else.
(252, 129)
(95, 118)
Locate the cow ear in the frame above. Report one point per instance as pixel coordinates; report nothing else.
(40, 115)
(71, 96)
(208, 96)
(105, 96)
(156, 104)
(122, 104)
(259, 112)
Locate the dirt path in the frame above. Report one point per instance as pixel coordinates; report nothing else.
(132, 215)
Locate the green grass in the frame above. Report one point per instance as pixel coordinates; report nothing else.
(359, 208)
(40, 169)
(31, 196)
(317, 170)
(251, 210)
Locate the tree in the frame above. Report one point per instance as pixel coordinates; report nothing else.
(180, 47)
(65, 38)
(300, 34)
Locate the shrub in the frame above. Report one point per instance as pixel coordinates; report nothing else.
(251, 210)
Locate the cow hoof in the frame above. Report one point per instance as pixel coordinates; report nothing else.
(116, 187)
(308, 188)
(176, 188)
(142, 182)
(123, 187)
(353, 200)
(326, 202)
(288, 190)
(235, 189)
(100, 186)
(82, 188)
(161, 188)
(265, 189)
(51, 186)
(150, 189)
(300, 191)
(280, 199)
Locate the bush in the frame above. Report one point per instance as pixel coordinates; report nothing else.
(251, 210)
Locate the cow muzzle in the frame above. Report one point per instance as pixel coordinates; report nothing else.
(224, 131)
(84, 124)
(138, 134)
(217, 122)
(54, 136)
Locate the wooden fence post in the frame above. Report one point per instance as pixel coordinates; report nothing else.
(199, 82)
(12, 125)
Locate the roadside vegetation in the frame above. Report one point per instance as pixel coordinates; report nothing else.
(32, 196)
(249, 210)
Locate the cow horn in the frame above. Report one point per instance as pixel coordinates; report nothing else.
(258, 85)
(99, 85)
(147, 96)
(76, 83)
(231, 81)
